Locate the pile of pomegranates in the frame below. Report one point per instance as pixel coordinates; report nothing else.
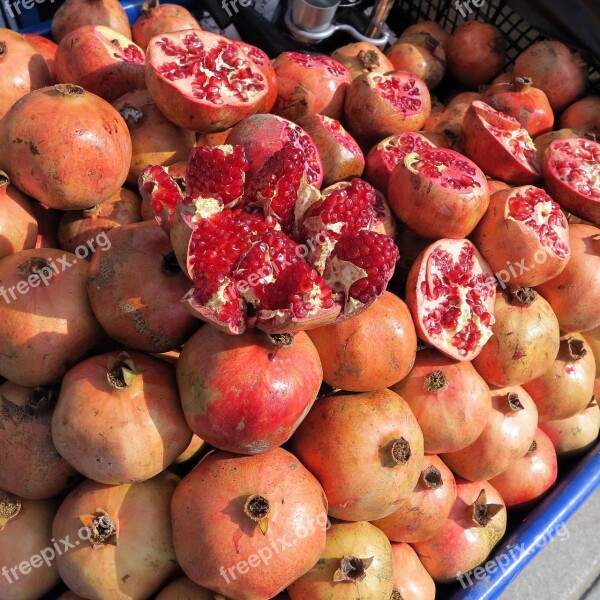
(286, 327)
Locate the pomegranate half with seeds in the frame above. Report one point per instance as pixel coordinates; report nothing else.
(379, 105)
(571, 170)
(309, 84)
(499, 145)
(203, 81)
(451, 292)
(438, 193)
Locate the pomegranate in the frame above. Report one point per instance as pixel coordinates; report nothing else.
(384, 221)
(188, 88)
(525, 339)
(309, 84)
(411, 580)
(47, 48)
(435, 115)
(230, 506)
(149, 188)
(77, 156)
(18, 225)
(135, 289)
(379, 105)
(508, 433)
(22, 69)
(476, 53)
(341, 156)
(193, 451)
(499, 145)
(527, 104)
(568, 385)
(156, 18)
(155, 140)
(463, 98)
(543, 141)
(451, 125)
(383, 158)
(349, 350)
(450, 292)
(421, 515)
(438, 193)
(496, 185)
(362, 57)
(77, 13)
(78, 227)
(31, 467)
(117, 530)
(261, 136)
(571, 170)
(244, 409)
(430, 27)
(592, 337)
(48, 220)
(141, 430)
(583, 114)
(100, 60)
(184, 588)
(358, 442)
(476, 523)
(524, 236)
(450, 401)
(44, 299)
(576, 434)
(574, 294)
(26, 529)
(530, 476)
(356, 563)
(420, 54)
(561, 74)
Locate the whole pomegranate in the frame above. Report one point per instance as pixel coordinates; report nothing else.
(47, 48)
(30, 466)
(349, 349)
(529, 477)
(411, 579)
(463, 98)
(247, 393)
(525, 340)
(568, 385)
(362, 57)
(358, 442)
(118, 418)
(117, 530)
(184, 588)
(438, 193)
(450, 401)
(193, 450)
(135, 287)
(203, 81)
(574, 294)
(101, 60)
(155, 140)
(309, 84)
(77, 13)
(450, 292)
(583, 114)
(18, 225)
(524, 236)
(26, 530)
(356, 563)
(519, 99)
(77, 227)
(421, 515)
(46, 323)
(432, 28)
(22, 69)
(561, 74)
(76, 157)
(377, 105)
(156, 18)
(476, 53)
(227, 506)
(508, 433)
(450, 125)
(476, 523)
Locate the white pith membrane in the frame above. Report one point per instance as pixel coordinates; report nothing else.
(113, 39)
(582, 169)
(453, 312)
(341, 275)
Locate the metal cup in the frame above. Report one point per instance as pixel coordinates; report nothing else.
(314, 15)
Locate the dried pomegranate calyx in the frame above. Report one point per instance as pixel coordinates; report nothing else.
(576, 348)
(482, 512)
(4, 179)
(514, 403)
(525, 295)
(258, 508)
(400, 451)
(435, 381)
(352, 569)
(532, 448)
(121, 371)
(101, 527)
(9, 508)
(69, 89)
(432, 477)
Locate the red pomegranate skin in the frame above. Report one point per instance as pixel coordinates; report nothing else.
(243, 393)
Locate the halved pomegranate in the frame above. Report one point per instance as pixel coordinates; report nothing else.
(499, 145)
(203, 81)
(571, 170)
(438, 193)
(451, 292)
